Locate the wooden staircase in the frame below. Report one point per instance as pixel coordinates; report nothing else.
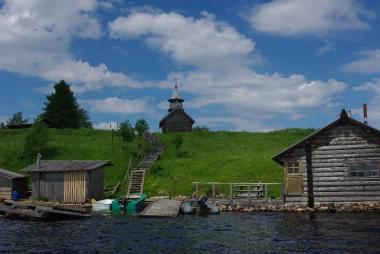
(136, 180)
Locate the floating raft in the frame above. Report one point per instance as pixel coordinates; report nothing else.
(10, 208)
(162, 208)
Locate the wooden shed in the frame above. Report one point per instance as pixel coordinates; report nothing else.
(68, 181)
(177, 120)
(11, 181)
(337, 164)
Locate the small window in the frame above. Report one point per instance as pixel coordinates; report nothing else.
(364, 170)
(293, 167)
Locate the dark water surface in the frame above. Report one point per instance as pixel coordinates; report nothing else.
(225, 233)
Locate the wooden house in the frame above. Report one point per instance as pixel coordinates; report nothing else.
(67, 181)
(177, 120)
(337, 164)
(11, 181)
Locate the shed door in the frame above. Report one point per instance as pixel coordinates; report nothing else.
(293, 178)
(74, 187)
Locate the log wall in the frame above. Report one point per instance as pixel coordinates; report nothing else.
(177, 122)
(333, 152)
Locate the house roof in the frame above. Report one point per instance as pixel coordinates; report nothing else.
(344, 118)
(9, 174)
(170, 113)
(66, 165)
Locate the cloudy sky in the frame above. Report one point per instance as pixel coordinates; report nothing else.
(241, 65)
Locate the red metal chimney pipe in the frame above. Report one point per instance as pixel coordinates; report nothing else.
(365, 112)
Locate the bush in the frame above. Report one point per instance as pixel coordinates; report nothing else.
(157, 170)
(178, 141)
(141, 127)
(126, 131)
(200, 128)
(36, 141)
(181, 153)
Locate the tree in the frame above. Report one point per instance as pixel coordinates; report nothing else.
(62, 110)
(2, 125)
(17, 119)
(141, 127)
(126, 131)
(36, 140)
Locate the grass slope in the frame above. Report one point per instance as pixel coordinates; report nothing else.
(220, 157)
(79, 144)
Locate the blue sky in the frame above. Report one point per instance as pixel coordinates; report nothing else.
(241, 65)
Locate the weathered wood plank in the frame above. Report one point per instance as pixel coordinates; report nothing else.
(162, 208)
(346, 188)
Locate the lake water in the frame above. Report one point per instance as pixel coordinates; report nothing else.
(225, 233)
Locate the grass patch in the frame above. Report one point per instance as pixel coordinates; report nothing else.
(72, 144)
(220, 157)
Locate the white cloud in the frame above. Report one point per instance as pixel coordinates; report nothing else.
(106, 125)
(329, 46)
(372, 87)
(309, 17)
(248, 95)
(368, 62)
(201, 42)
(3, 119)
(117, 105)
(35, 39)
(222, 75)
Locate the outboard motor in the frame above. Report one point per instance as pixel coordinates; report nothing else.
(202, 205)
(123, 205)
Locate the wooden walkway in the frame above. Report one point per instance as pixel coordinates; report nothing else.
(162, 208)
(136, 181)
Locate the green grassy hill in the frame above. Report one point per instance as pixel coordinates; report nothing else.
(208, 156)
(219, 157)
(79, 144)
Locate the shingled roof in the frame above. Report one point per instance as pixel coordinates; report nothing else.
(9, 174)
(344, 118)
(170, 113)
(66, 165)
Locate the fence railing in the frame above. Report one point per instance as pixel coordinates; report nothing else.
(250, 191)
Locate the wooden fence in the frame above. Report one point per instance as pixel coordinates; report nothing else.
(249, 191)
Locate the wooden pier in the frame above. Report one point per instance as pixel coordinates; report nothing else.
(29, 210)
(162, 208)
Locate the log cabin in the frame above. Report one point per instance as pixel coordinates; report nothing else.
(177, 120)
(337, 164)
(11, 181)
(67, 181)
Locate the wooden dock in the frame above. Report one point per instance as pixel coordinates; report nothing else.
(24, 210)
(162, 208)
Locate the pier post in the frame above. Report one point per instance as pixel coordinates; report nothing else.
(213, 192)
(230, 194)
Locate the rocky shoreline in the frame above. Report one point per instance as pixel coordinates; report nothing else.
(323, 208)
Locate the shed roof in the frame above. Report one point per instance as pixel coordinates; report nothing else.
(9, 174)
(176, 110)
(66, 165)
(344, 118)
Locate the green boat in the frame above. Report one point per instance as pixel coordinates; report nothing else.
(130, 204)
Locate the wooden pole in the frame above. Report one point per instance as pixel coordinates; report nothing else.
(266, 192)
(230, 194)
(249, 195)
(197, 190)
(213, 192)
(309, 169)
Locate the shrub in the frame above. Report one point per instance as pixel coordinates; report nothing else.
(157, 170)
(178, 141)
(181, 153)
(200, 128)
(141, 127)
(36, 141)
